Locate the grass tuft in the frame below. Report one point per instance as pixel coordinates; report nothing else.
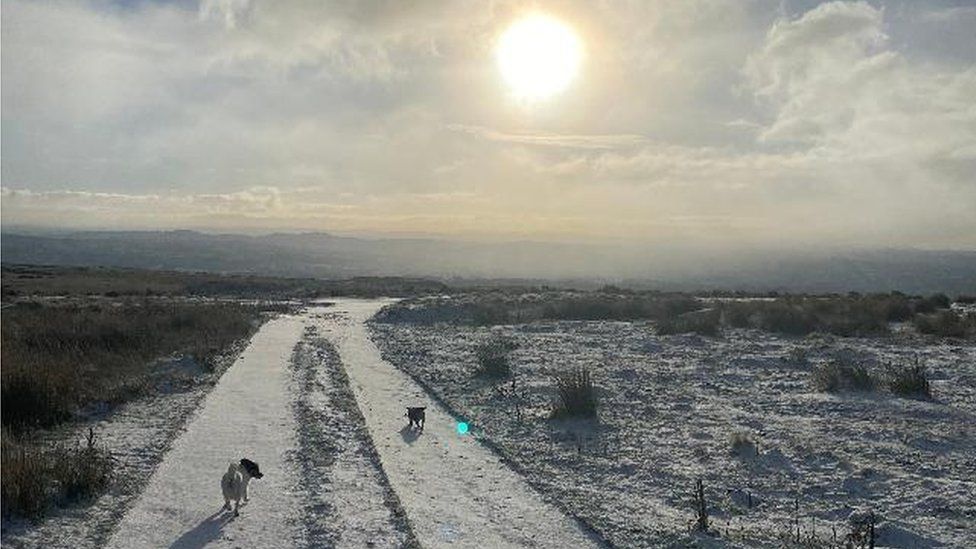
(493, 357)
(575, 394)
(909, 381)
(742, 444)
(37, 477)
(840, 375)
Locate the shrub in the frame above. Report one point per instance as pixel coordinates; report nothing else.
(37, 477)
(909, 381)
(844, 316)
(932, 303)
(493, 308)
(966, 299)
(839, 375)
(942, 324)
(787, 319)
(700, 322)
(35, 396)
(741, 444)
(939, 301)
(798, 356)
(493, 357)
(575, 394)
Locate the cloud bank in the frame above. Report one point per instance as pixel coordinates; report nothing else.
(738, 123)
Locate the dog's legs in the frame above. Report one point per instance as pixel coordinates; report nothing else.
(246, 486)
(237, 505)
(226, 504)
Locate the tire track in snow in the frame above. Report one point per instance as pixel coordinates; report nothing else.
(456, 492)
(349, 502)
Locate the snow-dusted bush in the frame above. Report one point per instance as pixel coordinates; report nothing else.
(493, 357)
(841, 375)
(707, 323)
(799, 356)
(910, 381)
(742, 444)
(944, 324)
(575, 394)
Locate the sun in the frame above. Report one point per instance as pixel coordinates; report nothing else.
(538, 56)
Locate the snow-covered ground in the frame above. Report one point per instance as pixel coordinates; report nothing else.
(286, 404)
(669, 406)
(455, 491)
(349, 502)
(313, 403)
(138, 434)
(248, 414)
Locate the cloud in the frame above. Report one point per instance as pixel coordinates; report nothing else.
(600, 142)
(850, 121)
(831, 79)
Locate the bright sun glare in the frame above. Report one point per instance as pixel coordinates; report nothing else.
(538, 56)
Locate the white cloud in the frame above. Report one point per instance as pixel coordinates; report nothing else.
(827, 125)
(599, 142)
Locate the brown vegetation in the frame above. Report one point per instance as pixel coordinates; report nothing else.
(57, 359)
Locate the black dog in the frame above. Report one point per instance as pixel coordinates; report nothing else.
(416, 416)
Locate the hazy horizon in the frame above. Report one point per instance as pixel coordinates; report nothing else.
(710, 123)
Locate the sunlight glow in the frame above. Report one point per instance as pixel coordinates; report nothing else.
(538, 56)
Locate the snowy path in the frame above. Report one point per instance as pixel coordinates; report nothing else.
(247, 413)
(455, 491)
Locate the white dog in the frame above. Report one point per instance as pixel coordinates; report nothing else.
(235, 482)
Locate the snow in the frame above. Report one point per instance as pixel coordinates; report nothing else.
(138, 434)
(455, 491)
(313, 403)
(247, 415)
(669, 405)
(349, 502)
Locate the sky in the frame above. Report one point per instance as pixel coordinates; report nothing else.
(721, 122)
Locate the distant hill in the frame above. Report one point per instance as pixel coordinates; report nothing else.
(329, 256)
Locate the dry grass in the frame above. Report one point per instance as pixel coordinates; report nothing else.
(575, 394)
(909, 381)
(36, 477)
(848, 316)
(27, 280)
(706, 323)
(488, 308)
(945, 324)
(59, 358)
(839, 375)
(493, 358)
(741, 444)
